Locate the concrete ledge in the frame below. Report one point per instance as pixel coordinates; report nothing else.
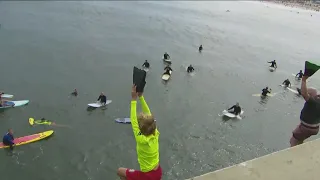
(297, 163)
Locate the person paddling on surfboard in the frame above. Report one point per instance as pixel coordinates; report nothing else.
(299, 75)
(8, 139)
(273, 64)
(287, 83)
(265, 91)
(167, 70)
(166, 56)
(75, 92)
(44, 121)
(146, 64)
(102, 98)
(190, 69)
(147, 142)
(200, 48)
(236, 109)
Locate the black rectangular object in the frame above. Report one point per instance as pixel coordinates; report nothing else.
(139, 78)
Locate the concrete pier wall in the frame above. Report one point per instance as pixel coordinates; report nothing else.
(297, 163)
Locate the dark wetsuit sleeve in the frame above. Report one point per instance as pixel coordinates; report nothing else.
(231, 108)
(99, 98)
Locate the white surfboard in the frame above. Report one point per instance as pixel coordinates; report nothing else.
(7, 95)
(123, 120)
(10, 104)
(231, 115)
(166, 60)
(289, 88)
(98, 104)
(292, 90)
(166, 77)
(259, 95)
(272, 69)
(146, 69)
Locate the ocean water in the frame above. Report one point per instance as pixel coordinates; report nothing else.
(49, 48)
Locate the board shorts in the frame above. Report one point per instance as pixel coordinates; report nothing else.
(301, 133)
(138, 175)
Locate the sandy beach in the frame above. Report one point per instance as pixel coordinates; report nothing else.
(309, 5)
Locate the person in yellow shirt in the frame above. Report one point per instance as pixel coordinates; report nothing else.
(147, 139)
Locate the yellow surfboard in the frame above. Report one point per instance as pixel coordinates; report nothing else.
(29, 139)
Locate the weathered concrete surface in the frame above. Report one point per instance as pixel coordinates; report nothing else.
(297, 163)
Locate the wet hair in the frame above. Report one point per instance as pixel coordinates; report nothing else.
(147, 124)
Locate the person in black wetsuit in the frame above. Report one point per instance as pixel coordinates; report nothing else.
(265, 91)
(74, 93)
(8, 139)
(236, 109)
(166, 56)
(287, 83)
(300, 74)
(200, 48)
(273, 64)
(190, 69)
(102, 98)
(167, 70)
(146, 64)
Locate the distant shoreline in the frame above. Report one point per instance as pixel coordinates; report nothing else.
(308, 5)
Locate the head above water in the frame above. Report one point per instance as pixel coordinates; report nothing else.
(301, 71)
(10, 131)
(147, 124)
(146, 60)
(237, 104)
(102, 94)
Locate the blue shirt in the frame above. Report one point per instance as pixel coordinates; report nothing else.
(8, 139)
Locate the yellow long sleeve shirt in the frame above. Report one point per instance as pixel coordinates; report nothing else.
(147, 146)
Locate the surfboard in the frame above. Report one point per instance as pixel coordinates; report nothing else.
(271, 69)
(7, 95)
(10, 104)
(289, 88)
(292, 90)
(230, 115)
(29, 139)
(166, 60)
(32, 122)
(259, 95)
(123, 120)
(166, 77)
(98, 104)
(146, 69)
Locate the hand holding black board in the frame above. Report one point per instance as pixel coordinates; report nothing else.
(139, 78)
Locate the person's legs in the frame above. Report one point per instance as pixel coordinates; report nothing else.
(122, 173)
